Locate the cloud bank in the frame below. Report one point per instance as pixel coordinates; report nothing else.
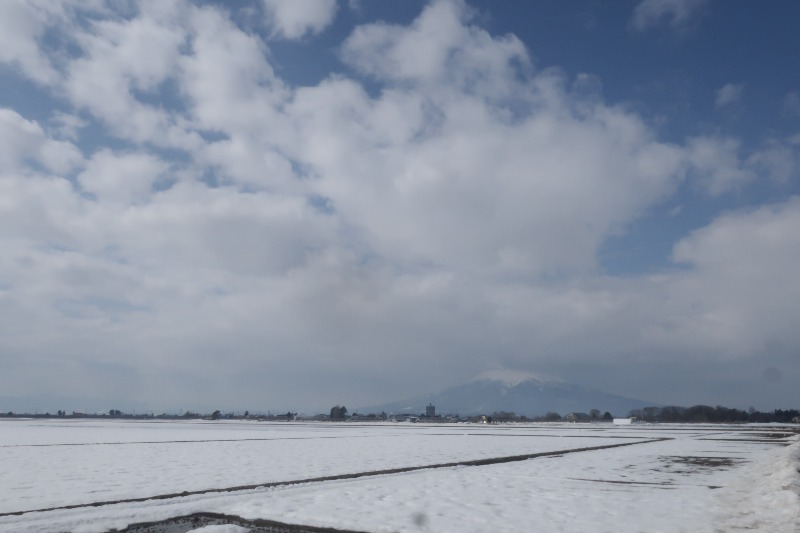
(187, 227)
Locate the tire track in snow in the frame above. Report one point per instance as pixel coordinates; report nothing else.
(337, 477)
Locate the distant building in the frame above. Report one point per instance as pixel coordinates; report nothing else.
(578, 417)
(430, 411)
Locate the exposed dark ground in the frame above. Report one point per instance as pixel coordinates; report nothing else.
(182, 524)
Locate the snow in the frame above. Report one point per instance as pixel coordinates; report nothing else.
(698, 478)
(191, 457)
(512, 378)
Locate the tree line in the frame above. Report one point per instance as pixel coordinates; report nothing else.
(667, 414)
(706, 413)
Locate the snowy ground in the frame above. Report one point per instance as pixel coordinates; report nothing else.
(71, 475)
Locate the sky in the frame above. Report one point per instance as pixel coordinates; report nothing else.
(272, 205)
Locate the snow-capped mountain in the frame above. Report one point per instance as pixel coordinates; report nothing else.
(521, 393)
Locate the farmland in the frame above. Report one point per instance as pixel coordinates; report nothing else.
(92, 476)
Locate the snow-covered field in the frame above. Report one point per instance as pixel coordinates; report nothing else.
(73, 475)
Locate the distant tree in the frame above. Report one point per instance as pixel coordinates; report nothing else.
(552, 417)
(785, 415)
(246, 414)
(338, 413)
(608, 416)
(215, 415)
(700, 413)
(504, 416)
(595, 414)
(651, 414)
(672, 413)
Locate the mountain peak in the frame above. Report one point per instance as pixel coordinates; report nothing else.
(520, 392)
(512, 378)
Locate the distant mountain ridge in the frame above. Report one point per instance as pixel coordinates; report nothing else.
(522, 393)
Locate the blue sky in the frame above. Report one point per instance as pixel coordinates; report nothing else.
(293, 204)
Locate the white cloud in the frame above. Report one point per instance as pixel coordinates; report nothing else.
(728, 309)
(453, 161)
(454, 166)
(227, 80)
(125, 178)
(791, 103)
(21, 25)
(37, 212)
(729, 94)
(678, 13)
(297, 18)
(23, 142)
(66, 126)
(778, 161)
(253, 234)
(717, 164)
(440, 48)
(741, 289)
(122, 57)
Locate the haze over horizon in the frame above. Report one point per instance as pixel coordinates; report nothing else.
(294, 204)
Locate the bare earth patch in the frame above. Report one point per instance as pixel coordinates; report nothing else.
(691, 464)
(183, 524)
